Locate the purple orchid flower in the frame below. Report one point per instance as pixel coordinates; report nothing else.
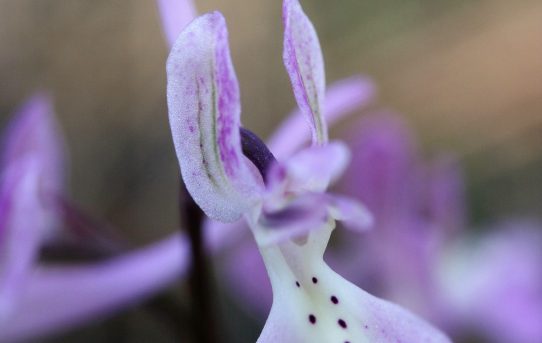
(32, 169)
(500, 293)
(37, 299)
(482, 287)
(290, 215)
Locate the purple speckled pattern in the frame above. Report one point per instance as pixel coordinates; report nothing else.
(204, 112)
(175, 15)
(228, 121)
(305, 65)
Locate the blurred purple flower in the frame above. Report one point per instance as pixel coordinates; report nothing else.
(32, 170)
(419, 254)
(37, 299)
(40, 299)
(285, 204)
(492, 283)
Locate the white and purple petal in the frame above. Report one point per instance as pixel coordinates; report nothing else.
(305, 65)
(312, 303)
(314, 168)
(204, 114)
(295, 219)
(350, 212)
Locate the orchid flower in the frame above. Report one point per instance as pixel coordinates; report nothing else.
(285, 204)
(32, 163)
(37, 299)
(485, 283)
(500, 293)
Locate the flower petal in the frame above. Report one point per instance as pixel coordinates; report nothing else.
(383, 172)
(341, 98)
(350, 212)
(357, 317)
(298, 217)
(47, 303)
(175, 14)
(34, 130)
(204, 114)
(493, 282)
(316, 167)
(305, 65)
(312, 303)
(446, 194)
(22, 229)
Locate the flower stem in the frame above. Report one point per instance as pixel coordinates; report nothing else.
(203, 320)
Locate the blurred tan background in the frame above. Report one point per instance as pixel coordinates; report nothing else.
(466, 74)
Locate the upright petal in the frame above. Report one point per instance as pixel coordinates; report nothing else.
(34, 131)
(305, 65)
(204, 113)
(175, 14)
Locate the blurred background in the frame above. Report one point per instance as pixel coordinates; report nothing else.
(466, 75)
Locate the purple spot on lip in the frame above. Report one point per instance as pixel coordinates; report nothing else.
(314, 280)
(342, 323)
(297, 284)
(334, 300)
(312, 319)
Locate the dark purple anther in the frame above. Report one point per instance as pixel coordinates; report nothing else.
(256, 151)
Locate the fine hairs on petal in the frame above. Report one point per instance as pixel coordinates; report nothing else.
(204, 114)
(305, 65)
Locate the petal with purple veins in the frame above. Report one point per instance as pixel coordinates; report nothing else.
(204, 113)
(305, 65)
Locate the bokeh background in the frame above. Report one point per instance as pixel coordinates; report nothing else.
(467, 76)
